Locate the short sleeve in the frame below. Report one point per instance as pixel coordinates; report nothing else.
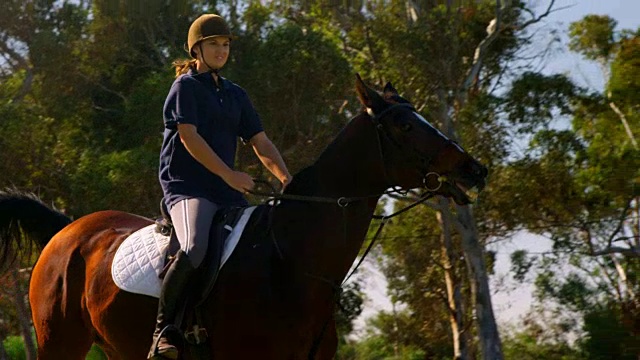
(180, 106)
(250, 123)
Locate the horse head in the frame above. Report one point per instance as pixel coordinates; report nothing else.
(414, 153)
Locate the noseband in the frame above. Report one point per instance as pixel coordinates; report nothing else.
(424, 161)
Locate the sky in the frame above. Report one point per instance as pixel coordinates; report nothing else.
(512, 300)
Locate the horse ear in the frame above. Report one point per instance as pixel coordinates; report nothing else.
(389, 91)
(367, 96)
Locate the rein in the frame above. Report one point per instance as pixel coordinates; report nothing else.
(274, 195)
(343, 202)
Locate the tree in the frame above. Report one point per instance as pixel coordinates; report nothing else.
(542, 335)
(415, 271)
(588, 175)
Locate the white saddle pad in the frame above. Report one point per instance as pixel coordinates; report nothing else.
(140, 258)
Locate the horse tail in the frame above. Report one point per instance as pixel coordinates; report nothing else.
(25, 223)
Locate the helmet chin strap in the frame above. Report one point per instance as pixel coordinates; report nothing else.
(211, 69)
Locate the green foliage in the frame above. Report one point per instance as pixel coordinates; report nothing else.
(104, 178)
(535, 100)
(14, 345)
(378, 348)
(413, 256)
(624, 84)
(588, 175)
(520, 264)
(350, 308)
(300, 107)
(526, 345)
(593, 37)
(608, 335)
(96, 354)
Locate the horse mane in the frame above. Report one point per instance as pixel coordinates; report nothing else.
(305, 182)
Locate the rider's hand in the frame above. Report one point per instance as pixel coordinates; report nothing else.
(240, 181)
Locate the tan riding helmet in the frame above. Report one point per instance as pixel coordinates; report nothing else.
(205, 27)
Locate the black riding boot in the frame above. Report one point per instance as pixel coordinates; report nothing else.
(172, 296)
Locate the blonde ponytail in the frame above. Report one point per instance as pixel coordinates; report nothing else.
(183, 66)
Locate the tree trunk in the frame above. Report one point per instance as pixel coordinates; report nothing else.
(454, 296)
(474, 255)
(473, 252)
(24, 317)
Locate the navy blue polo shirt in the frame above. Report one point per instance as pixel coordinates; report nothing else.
(221, 115)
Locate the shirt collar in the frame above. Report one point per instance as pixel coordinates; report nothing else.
(207, 78)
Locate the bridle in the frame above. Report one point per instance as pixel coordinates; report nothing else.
(425, 161)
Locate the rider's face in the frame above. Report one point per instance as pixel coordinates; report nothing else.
(215, 51)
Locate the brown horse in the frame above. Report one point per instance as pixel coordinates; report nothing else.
(267, 304)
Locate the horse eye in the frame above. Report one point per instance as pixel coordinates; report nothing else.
(405, 126)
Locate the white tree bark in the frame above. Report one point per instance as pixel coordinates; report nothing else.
(454, 295)
(488, 334)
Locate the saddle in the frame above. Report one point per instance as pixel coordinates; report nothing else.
(223, 223)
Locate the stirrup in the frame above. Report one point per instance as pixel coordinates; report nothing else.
(197, 336)
(155, 354)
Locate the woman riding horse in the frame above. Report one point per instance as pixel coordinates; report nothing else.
(274, 298)
(204, 114)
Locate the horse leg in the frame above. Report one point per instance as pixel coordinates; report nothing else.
(56, 306)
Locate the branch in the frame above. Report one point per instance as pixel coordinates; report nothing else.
(542, 16)
(493, 29)
(621, 222)
(623, 119)
(25, 87)
(632, 251)
(625, 238)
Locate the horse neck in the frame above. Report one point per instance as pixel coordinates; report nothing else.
(350, 167)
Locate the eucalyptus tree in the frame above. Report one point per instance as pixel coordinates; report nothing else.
(579, 187)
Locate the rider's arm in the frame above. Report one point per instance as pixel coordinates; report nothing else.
(202, 152)
(270, 157)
